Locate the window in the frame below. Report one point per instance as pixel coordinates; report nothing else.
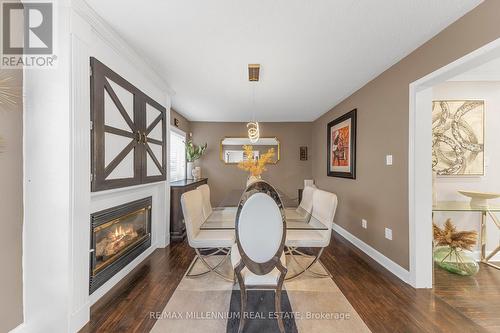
(177, 155)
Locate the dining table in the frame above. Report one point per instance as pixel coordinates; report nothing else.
(223, 216)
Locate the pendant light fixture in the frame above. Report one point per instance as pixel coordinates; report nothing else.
(253, 126)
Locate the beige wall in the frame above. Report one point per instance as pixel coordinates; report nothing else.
(288, 174)
(11, 208)
(184, 124)
(380, 193)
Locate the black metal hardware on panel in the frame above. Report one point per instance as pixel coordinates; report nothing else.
(138, 131)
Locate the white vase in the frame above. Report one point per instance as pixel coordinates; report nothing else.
(196, 173)
(189, 170)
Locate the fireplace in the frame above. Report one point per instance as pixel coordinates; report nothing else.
(118, 236)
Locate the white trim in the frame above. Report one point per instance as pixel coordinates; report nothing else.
(477, 256)
(387, 263)
(79, 318)
(114, 40)
(21, 328)
(419, 173)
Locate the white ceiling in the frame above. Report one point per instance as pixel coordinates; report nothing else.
(313, 53)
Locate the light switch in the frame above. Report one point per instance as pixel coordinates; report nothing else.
(388, 159)
(388, 233)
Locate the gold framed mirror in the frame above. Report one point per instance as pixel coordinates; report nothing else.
(232, 152)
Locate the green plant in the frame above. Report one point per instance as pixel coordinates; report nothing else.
(194, 152)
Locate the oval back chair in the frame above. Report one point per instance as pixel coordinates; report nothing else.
(257, 256)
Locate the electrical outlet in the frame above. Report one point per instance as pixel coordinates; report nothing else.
(388, 233)
(388, 159)
(364, 223)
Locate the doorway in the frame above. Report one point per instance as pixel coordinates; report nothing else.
(420, 158)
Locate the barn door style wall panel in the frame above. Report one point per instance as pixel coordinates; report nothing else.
(128, 132)
(154, 142)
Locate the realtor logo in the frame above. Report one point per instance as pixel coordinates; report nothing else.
(27, 34)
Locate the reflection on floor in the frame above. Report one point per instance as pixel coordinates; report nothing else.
(476, 297)
(382, 301)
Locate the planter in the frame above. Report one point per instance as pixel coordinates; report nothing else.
(456, 261)
(189, 170)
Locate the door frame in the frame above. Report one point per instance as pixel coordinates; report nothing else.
(420, 159)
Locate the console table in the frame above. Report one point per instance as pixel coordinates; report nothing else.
(460, 206)
(177, 226)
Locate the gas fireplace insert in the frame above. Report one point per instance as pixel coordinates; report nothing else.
(118, 236)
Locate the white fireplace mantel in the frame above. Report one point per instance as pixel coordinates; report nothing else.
(58, 201)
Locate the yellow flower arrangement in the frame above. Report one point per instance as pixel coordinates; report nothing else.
(256, 166)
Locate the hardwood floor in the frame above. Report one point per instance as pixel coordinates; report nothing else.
(127, 307)
(477, 297)
(383, 302)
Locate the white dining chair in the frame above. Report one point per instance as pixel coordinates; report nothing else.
(204, 240)
(305, 207)
(211, 215)
(324, 205)
(258, 257)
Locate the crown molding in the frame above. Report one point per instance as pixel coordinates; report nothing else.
(110, 36)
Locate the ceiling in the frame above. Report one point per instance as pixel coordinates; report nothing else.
(313, 54)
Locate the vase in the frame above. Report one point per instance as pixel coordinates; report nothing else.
(196, 173)
(454, 260)
(189, 170)
(252, 179)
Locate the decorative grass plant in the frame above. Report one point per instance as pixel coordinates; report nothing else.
(453, 249)
(255, 165)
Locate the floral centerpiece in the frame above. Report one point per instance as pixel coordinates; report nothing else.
(193, 152)
(255, 165)
(453, 249)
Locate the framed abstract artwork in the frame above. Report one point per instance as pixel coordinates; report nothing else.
(341, 143)
(458, 137)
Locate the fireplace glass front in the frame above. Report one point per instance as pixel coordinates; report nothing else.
(118, 235)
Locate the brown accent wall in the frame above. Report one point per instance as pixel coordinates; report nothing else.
(184, 124)
(11, 204)
(288, 174)
(380, 193)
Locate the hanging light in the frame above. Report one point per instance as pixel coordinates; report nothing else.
(253, 131)
(253, 126)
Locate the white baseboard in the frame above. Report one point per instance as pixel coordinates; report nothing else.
(79, 318)
(477, 255)
(391, 266)
(21, 328)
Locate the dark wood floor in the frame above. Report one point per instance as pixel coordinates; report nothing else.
(477, 297)
(384, 303)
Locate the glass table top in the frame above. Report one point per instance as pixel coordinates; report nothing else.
(223, 216)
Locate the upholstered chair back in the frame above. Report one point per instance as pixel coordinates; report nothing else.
(307, 198)
(192, 210)
(205, 194)
(260, 228)
(324, 207)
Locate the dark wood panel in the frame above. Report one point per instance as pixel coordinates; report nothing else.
(138, 131)
(384, 303)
